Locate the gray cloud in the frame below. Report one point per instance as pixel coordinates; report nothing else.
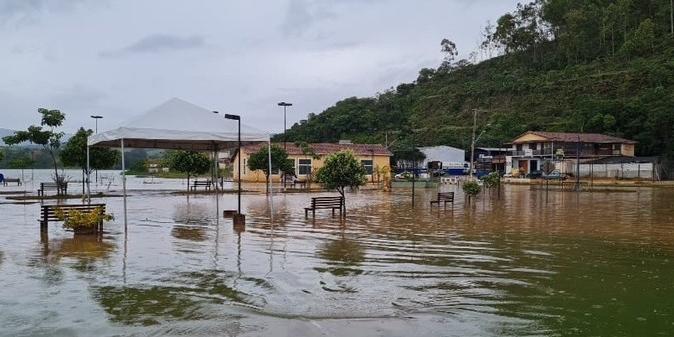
(158, 43)
(24, 9)
(235, 56)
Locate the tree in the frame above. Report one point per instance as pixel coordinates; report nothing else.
(49, 139)
(279, 161)
(74, 154)
(2, 155)
(189, 162)
(472, 189)
(20, 163)
(450, 51)
(342, 170)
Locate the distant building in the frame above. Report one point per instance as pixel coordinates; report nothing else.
(372, 156)
(531, 149)
(491, 159)
(444, 158)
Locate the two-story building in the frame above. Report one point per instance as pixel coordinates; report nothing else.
(532, 148)
(308, 159)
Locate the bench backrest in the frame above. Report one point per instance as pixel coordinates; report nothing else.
(446, 196)
(202, 182)
(48, 212)
(52, 185)
(327, 202)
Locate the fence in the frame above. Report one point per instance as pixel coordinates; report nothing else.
(615, 171)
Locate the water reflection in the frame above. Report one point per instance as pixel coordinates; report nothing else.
(184, 296)
(520, 264)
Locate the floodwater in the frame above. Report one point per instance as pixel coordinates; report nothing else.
(522, 264)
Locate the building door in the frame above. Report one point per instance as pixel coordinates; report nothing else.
(534, 165)
(523, 166)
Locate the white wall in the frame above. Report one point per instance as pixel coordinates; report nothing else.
(449, 156)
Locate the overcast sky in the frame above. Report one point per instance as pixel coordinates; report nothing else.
(119, 58)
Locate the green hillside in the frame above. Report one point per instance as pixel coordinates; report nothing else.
(564, 65)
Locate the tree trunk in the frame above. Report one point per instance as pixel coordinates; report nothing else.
(341, 192)
(56, 171)
(188, 183)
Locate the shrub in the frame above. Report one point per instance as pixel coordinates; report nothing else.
(472, 188)
(78, 220)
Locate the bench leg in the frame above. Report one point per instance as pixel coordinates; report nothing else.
(333, 212)
(306, 213)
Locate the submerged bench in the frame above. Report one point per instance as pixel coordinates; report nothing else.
(325, 203)
(443, 198)
(48, 213)
(206, 184)
(61, 189)
(12, 180)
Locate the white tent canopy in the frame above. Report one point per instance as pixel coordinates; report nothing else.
(177, 124)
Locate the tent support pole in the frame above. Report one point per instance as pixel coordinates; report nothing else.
(271, 191)
(124, 183)
(88, 174)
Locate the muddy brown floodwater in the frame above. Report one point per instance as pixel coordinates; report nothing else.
(571, 264)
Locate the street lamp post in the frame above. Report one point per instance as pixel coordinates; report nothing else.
(285, 105)
(239, 218)
(96, 118)
(285, 137)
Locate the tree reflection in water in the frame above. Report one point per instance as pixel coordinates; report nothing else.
(84, 250)
(342, 255)
(198, 297)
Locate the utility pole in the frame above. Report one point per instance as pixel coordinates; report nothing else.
(472, 144)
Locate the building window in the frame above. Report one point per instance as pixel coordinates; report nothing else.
(518, 147)
(292, 164)
(304, 166)
(367, 164)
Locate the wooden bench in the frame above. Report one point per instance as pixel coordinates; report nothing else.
(325, 203)
(12, 180)
(302, 183)
(443, 198)
(206, 184)
(61, 189)
(48, 213)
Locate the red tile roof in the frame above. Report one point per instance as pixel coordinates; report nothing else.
(570, 137)
(327, 148)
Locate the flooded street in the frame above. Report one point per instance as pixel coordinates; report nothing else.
(522, 264)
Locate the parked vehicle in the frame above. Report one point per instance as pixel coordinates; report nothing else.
(555, 175)
(535, 175)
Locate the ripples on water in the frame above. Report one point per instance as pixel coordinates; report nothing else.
(589, 264)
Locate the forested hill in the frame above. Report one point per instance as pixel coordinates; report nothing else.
(563, 65)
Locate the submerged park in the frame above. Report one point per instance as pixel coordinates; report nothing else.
(171, 257)
(337, 168)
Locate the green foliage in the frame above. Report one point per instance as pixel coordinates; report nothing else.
(190, 163)
(279, 160)
(74, 153)
(341, 170)
(21, 162)
(566, 65)
(81, 220)
(48, 138)
(492, 180)
(472, 188)
(2, 155)
(405, 151)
